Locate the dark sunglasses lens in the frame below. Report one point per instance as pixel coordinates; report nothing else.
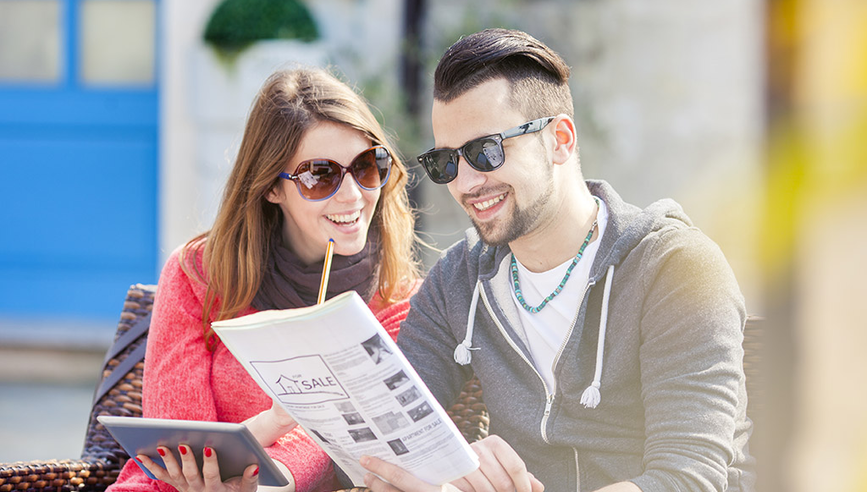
(441, 165)
(485, 154)
(318, 179)
(371, 167)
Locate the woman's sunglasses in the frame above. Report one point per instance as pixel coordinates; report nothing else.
(319, 179)
(484, 154)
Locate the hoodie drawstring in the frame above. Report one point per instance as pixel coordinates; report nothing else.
(463, 356)
(592, 396)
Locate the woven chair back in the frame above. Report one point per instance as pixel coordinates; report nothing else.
(120, 390)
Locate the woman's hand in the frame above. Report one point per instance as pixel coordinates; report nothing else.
(500, 469)
(186, 477)
(270, 425)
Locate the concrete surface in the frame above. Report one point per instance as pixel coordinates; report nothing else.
(45, 393)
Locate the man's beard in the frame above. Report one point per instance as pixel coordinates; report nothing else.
(521, 221)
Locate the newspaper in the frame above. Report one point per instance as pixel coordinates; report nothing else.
(340, 375)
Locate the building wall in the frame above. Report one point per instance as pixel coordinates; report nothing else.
(205, 102)
(183, 22)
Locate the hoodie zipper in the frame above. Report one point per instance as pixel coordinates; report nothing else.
(556, 360)
(549, 396)
(550, 402)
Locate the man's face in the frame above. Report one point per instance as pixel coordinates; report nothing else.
(511, 201)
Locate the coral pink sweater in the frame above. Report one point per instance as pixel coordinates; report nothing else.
(183, 380)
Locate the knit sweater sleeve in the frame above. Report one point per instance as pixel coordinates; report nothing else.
(310, 466)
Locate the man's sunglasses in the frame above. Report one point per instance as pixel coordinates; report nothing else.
(484, 154)
(319, 179)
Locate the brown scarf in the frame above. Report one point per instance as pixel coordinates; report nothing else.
(289, 283)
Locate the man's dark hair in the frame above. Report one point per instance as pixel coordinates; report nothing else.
(537, 75)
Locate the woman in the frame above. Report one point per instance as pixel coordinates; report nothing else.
(313, 165)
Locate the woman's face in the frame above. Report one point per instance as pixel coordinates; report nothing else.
(345, 217)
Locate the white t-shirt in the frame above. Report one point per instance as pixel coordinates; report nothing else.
(546, 330)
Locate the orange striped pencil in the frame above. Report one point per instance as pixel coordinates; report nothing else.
(326, 270)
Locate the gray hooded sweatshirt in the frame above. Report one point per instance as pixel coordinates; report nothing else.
(670, 412)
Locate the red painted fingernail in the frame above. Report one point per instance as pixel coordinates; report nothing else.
(182, 449)
(208, 452)
(161, 451)
(256, 472)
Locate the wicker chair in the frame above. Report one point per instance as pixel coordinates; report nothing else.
(119, 393)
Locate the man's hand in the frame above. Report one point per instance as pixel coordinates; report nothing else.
(398, 479)
(500, 469)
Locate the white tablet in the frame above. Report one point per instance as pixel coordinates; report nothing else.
(234, 444)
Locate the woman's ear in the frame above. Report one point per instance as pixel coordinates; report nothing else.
(565, 139)
(275, 194)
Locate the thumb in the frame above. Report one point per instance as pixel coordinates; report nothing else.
(250, 479)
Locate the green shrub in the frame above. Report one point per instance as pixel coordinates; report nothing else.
(236, 24)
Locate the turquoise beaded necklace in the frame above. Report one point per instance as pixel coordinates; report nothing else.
(559, 288)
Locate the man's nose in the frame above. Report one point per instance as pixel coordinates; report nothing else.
(468, 178)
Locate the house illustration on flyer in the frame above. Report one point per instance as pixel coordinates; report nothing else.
(304, 380)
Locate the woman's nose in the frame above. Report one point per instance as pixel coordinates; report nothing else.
(349, 190)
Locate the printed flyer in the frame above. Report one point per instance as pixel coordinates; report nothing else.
(340, 375)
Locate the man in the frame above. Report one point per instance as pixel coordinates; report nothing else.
(607, 338)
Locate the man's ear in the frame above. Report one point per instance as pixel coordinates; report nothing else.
(565, 139)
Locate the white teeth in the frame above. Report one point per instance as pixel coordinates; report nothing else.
(489, 203)
(345, 218)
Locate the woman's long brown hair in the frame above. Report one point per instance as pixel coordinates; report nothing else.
(236, 248)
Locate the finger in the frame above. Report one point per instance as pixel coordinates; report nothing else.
(500, 467)
(537, 486)
(489, 476)
(376, 484)
(479, 481)
(250, 479)
(371, 480)
(394, 478)
(173, 469)
(514, 466)
(189, 467)
(154, 468)
(461, 484)
(450, 487)
(210, 468)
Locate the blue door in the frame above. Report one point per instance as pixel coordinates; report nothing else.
(78, 155)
